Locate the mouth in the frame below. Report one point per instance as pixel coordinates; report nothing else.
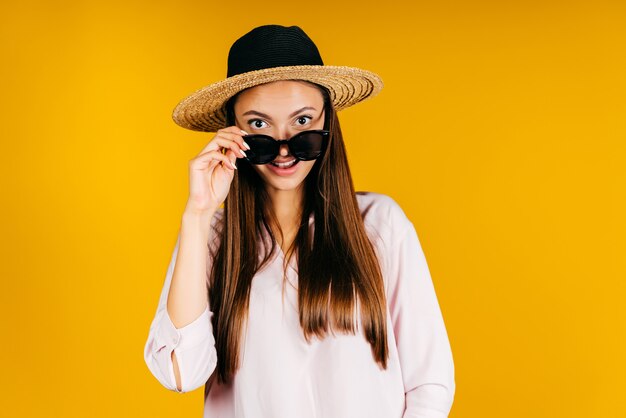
(286, 164)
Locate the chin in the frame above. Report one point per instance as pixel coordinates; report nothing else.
(284, 185)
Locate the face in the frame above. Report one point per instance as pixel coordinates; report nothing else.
(281, 109)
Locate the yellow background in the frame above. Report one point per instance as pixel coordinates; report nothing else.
(500, 131)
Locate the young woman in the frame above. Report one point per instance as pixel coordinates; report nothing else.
(300, 297)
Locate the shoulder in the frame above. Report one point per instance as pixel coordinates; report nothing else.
(387, 226)
(381, 211)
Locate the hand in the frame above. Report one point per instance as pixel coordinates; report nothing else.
(212, 171)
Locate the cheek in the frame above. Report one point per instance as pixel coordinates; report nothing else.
(307, 166)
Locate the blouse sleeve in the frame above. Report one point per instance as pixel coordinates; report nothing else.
(423, 347)
(193, 344)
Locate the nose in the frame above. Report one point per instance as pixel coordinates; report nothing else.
(283, 150)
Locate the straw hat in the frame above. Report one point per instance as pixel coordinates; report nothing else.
(270, 53)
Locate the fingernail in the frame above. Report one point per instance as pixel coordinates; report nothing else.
(244, 132)
(246, 145)
(234, 166)
(242, 153)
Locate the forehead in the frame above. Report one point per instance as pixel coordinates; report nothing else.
(279, 96)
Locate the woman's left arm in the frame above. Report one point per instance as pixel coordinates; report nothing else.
(423, 347)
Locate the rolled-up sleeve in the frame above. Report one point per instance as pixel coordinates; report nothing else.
(423, 347)
(193, 344)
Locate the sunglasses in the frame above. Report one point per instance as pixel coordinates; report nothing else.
(305, 146)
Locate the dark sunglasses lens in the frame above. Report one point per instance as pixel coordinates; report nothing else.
(308, 145)
(262, 149)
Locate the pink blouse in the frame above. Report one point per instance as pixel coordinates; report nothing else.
(283, 376)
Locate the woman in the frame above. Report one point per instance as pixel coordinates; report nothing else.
(300, 298)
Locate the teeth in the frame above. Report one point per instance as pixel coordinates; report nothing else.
(285, 164)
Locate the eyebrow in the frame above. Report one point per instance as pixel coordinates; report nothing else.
(263, 115)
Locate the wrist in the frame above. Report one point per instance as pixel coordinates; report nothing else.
(192, 210)
(196, 222)
(198, 216)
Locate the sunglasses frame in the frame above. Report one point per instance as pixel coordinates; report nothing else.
(278, 142)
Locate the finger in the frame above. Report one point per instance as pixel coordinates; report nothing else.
(237, 138)
(232, 157)
(229, 144)
(204, 160)
(211, 145)
(226, 140)
(213, 164)
(234, 129)
(237, 131)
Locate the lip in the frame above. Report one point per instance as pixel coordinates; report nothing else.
(284, 171)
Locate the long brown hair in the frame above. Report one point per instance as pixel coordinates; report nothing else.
(328, 291)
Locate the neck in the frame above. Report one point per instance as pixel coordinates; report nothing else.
(287, 207)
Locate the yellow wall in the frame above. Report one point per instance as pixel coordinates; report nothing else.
(500, 131)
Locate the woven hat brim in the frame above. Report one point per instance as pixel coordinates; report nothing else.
(204, 109)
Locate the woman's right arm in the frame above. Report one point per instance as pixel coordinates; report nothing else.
(180, 351)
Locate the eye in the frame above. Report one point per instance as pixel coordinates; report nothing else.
(303, 120)
(257, 123)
